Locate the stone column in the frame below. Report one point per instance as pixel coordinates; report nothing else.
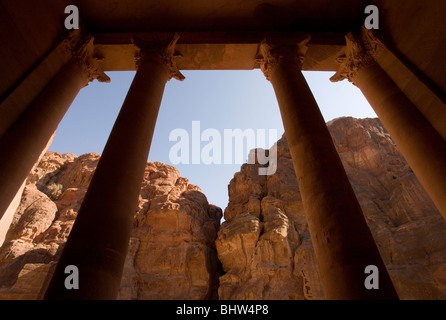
(23, 143)
(98, 242)
(421, 145)
(342, 241)
(426, 97)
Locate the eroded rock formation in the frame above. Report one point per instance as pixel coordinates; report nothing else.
(172, 252)
(264, 244)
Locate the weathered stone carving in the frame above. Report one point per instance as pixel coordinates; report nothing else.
(355, 59)
(373, 41)
(80, 47)
(160, 50)
(272, 55)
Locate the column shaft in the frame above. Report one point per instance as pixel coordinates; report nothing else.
(418, 141)
(343, 243)
(98, 242)
(421, 145)
(23, 143)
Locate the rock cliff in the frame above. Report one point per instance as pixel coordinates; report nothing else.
(264, 244)
(172, 252)
(263, 250)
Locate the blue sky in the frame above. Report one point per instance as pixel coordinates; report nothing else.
(218, 99)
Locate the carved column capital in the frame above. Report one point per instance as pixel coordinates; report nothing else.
(355, 59)
(373, 41)
(159, 50)
(80, 47)
(273, 54)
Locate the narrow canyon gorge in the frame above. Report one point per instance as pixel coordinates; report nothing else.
(182, 249)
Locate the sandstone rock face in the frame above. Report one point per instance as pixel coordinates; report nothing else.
(409, 230)
(172, 249)
(263, 249)
(171, 253)
(8, 215)
(264, 244)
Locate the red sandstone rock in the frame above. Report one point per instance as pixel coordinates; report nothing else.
(264, 244)
(172, 252)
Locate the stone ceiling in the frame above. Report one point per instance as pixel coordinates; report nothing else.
(221, 15)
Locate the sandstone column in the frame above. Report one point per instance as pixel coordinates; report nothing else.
(431, 106)
(342, 241)
(98, 242)
(23, 143)
(421, 145)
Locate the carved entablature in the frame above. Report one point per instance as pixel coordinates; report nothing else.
(80, 47)
(274, 54)
(355, 59)
(160, 50)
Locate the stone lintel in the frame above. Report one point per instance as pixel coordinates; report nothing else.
(219, 50)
